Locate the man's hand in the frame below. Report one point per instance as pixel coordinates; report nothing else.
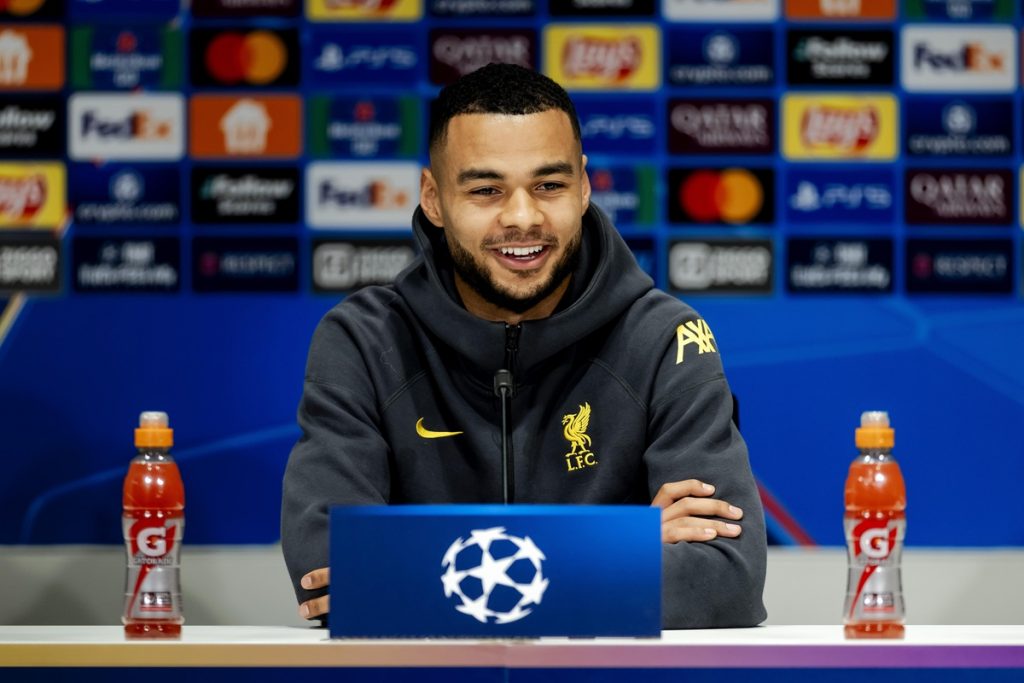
(685, 509)
(317, 607)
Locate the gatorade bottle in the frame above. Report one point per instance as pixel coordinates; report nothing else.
(875, 503)
(153, 522)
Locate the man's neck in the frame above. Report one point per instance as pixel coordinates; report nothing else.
(482, 308)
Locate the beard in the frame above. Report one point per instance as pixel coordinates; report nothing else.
(476, 276)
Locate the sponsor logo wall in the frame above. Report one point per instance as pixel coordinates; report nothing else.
(812, 125)
(811, 173)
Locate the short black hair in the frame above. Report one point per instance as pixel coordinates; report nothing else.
(499, 89)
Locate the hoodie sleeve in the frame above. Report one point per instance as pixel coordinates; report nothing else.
(692, 436)
(340, 458)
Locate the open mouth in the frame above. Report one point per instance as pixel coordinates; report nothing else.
(522, 256)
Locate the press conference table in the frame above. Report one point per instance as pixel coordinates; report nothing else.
(259, 653)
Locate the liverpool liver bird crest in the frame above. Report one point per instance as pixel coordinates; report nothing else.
(575, 430)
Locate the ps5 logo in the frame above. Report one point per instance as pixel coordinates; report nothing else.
(616, 127)
(840, 196)
(333, 59)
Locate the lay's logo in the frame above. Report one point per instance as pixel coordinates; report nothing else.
(595, 57)
(848, 130)
(839, 127)
(614, 60)
(32, 195)
(364, 10)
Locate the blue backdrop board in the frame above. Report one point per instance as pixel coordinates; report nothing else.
(184, 191)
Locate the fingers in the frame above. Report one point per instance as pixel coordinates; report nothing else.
(315, 607)
(674, 490)
(697, 529)
(318, 578)
(704, 507)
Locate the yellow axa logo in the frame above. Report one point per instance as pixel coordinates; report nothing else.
(694, 332)
(574, 429)
(431, 434)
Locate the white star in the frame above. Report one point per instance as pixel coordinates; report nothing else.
(454, 549)
(534, 591)
(483, 537)
(528, 550)
(476, 608)
(492, 572)
(451, 580)
(514, 615)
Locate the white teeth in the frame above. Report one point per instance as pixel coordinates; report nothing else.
(521, 251)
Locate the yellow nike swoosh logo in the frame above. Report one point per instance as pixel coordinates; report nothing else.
(430, 434)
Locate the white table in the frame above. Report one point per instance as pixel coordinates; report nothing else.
(254, 648)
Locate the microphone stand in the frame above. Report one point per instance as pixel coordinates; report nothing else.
(504, 390)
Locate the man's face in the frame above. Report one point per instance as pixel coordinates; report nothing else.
(509, 192)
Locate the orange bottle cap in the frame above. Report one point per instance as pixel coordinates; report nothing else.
(875, 437)
(874, 430)
(153, 431)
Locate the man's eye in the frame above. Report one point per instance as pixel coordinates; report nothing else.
(551, 186)
(484, 191)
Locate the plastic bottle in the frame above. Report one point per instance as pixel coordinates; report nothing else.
(153, 523)
(875, 522)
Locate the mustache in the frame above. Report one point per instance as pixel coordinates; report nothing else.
(515, 238)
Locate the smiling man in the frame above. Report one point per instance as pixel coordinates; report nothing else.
(619, 394)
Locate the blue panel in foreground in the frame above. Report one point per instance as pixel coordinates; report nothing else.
(492, 571)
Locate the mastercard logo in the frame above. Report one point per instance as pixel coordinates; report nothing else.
(733, 195)
(254, 58)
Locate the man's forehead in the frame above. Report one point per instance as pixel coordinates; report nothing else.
(469, 134)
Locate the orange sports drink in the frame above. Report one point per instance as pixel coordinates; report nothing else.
(875, 522)
(153, 522)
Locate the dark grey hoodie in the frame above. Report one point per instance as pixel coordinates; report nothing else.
(642, 365)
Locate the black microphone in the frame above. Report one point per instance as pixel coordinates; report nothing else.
(504, 389)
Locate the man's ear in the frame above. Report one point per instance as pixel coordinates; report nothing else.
(429, 200)
(585, 184)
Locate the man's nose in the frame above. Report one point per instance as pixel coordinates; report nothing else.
(521, 211)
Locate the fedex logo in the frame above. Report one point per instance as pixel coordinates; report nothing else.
(970, 57)
(126, 127)
(353, 194)
(962, 58)
(138, 125)
(377, 194)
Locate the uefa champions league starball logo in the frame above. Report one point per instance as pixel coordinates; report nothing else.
(496, 577)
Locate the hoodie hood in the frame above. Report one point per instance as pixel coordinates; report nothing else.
(606, 281)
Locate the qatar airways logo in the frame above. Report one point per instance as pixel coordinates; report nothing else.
(455, 53)
(959, 197)
(610, 59)
(842, 129)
